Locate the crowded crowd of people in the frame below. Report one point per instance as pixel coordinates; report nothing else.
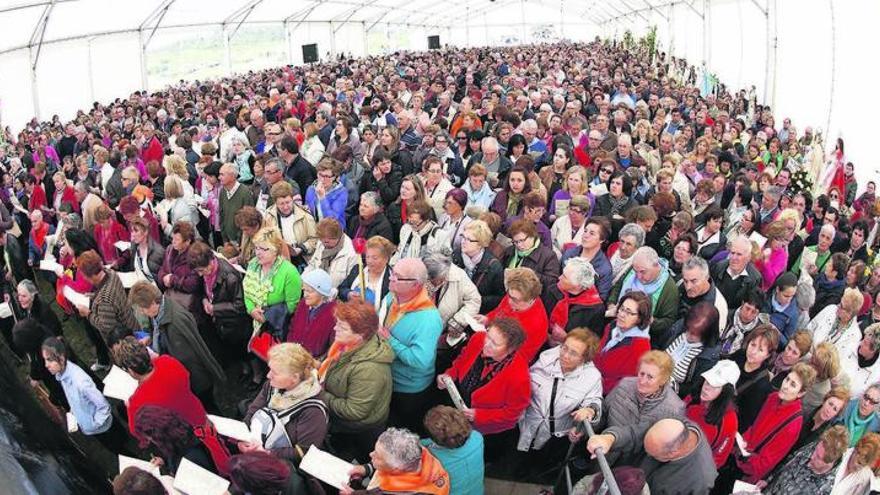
(441, 265)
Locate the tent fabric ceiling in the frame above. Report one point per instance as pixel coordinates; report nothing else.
(22, 18)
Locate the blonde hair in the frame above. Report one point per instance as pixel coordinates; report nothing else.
(293, 359)
(173, 187)
(852, 301)
(269, 237)
(826, 361)
(481, 232)
(175, 165)
(661, 360)
(582, 172)
(524, 280)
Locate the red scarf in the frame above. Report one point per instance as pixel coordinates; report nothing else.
(39, 235)
(559, 315)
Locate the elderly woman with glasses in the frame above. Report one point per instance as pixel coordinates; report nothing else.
(328, 196)
(272, 286)
(564, 381)
(626, 341)
(480, 265)
(334, 253)
(568, 229)
(419, 233)
(454, 220)
(631, 407)
(436, 184)
(492, 378)
(837, 323)
(356, 375)
(522, 302)
(861, 414)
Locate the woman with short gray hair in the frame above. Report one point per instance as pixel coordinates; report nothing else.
(576, 301)
(31, 305)
(399, 463)
(455, 295)
(630, 238)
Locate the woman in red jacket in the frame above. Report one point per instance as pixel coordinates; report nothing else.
(493, 380)
(621, 348)
(523, 304)
(712, 409)
(774, 431)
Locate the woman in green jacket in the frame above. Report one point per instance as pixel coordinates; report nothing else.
(357, 380)
(272, 289)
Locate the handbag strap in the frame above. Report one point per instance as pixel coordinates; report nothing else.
(745, 386)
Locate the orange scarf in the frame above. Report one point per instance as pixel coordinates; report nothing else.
(431, 478)
(333, 354)
(397, 310)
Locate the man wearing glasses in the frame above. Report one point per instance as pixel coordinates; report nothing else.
(411, 324)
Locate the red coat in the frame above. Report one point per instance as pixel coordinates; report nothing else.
(721, 442)
(621, 360)
(314, 332)
(107, 239)
(167, 387)
(69, 197)
(499, 403)
(773, 413)
(152, 151)
(37, 200)
(534, 323)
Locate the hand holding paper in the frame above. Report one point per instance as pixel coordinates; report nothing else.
(326, 467)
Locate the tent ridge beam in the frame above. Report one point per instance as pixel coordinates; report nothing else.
(25, 6)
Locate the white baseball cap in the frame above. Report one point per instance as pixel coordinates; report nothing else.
(724, 372)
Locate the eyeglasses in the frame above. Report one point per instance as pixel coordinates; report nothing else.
(564, 349)
(395, 278)
(325, 176)
(871, 400)
(576, 211)
(627, 312)
(461, 138)
(469, 239)
(606, 171)
(520, 241)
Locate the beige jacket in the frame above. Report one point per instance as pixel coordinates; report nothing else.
(459, 297)
(304, 229)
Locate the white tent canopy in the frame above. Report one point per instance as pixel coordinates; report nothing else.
(804, 58)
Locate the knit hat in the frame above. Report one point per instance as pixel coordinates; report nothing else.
(320, 281)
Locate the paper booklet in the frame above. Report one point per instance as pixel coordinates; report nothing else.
(474, 324)
(326, 467)
(128, 279)
(741, 487)
(125, 461)
(122, 245)
(5, 310)
(453, 393)
(192, 479)
(234, 429)
(75, 297)
(118, 384)
(50, 265)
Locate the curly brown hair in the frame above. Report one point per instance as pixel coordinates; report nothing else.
(447, 426)
(165, 430)
(131, 355)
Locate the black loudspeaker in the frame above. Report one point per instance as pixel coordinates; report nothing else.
(310, 53)
(433, 42)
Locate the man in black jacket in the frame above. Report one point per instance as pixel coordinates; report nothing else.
(298, 168)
